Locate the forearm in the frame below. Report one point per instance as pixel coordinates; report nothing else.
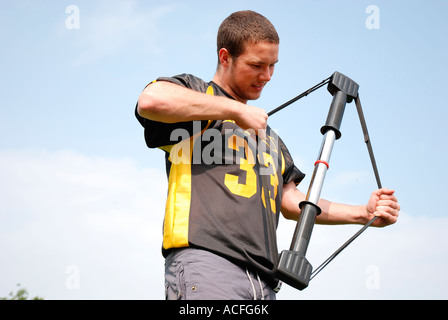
(337, 213)
(332, 213)
(170, 103)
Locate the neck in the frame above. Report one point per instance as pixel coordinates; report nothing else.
(221, 79)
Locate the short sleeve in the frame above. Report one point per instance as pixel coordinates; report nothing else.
(291, 172)
(158, 134)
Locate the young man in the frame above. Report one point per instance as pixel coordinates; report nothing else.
(216, 236)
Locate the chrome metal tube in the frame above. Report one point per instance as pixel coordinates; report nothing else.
(320, 169)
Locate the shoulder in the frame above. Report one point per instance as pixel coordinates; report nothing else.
(188, 81)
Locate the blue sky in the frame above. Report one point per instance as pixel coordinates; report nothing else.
(82, 198)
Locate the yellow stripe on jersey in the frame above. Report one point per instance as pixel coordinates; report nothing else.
(177, 211)
(210, 91)
(283, 164)
(167, 148)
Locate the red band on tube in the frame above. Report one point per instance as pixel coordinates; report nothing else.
(324, 162)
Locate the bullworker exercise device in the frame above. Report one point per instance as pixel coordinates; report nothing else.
(292, 267)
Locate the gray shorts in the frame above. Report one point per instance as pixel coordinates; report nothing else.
(194, 274)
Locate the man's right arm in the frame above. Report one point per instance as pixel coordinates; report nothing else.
(168, 102)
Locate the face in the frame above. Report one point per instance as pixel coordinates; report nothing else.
(252, 70)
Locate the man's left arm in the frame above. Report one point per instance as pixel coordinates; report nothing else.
(382, 203)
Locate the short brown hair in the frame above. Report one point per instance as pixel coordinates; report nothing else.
(244, 27)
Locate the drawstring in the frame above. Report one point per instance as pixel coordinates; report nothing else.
(261, 287)
(253, 286)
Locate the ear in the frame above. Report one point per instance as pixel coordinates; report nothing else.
(224, 57)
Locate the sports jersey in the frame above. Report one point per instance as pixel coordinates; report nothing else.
(215, 196)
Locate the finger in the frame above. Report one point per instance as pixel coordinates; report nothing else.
(385, 191)
(262, 134)
(388, 197)
(387, 218)
(387, 211)
(388, 203)
(387, 214)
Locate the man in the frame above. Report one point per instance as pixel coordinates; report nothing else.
(215, 239)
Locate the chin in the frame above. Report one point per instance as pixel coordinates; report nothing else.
(248, 95)
(255, 97)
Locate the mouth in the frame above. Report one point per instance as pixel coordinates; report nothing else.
(258, 87)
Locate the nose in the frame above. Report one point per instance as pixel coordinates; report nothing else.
(266, 74)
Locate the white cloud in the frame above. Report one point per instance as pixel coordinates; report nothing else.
(62, 212)
(62, 208)
(410, 257)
